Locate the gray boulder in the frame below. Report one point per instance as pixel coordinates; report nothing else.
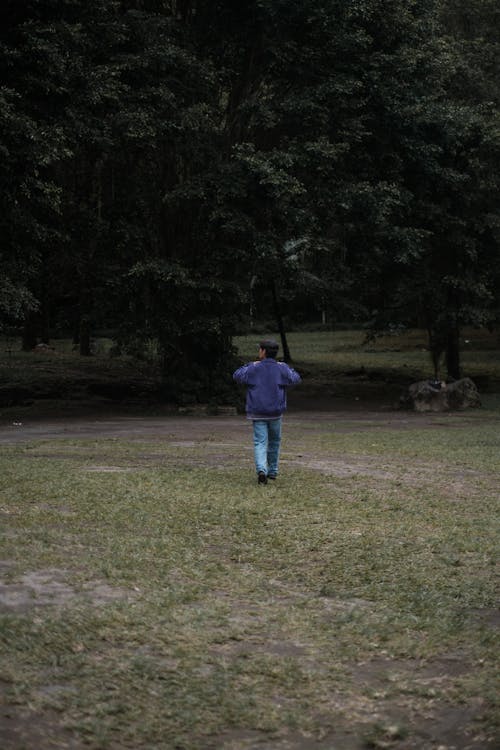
(435, 395)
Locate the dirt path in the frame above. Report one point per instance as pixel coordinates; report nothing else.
(196, 427)
(226, 439)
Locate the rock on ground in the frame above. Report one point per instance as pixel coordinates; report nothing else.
(430, 395)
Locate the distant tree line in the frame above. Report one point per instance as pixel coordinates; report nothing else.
(167, 167)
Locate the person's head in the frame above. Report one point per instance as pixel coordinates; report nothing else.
(268, 349)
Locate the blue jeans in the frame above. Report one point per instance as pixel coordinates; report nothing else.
(266, 442)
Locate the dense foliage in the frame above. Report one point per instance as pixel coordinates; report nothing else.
(170, 166)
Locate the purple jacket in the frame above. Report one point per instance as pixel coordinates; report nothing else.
(267, 382)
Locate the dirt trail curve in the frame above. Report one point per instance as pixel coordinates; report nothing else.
(226, 437)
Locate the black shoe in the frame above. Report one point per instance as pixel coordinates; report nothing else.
(261, 478)
(272, 476)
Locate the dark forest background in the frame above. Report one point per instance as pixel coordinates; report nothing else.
(171, 170)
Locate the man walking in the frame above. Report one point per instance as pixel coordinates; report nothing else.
(267, 381)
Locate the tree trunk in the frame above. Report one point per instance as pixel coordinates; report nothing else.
(45, 316)
(85, 336)
(437, 346)
(30, 332)
(453, 351)
(279, 322)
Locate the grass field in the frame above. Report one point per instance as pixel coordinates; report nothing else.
(153, 596)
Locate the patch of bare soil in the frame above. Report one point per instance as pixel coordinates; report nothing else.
(441, 728)
(189, 430)
(22, 729)
(260, 740)
(456, 483)
(391, 704)
(42, 588)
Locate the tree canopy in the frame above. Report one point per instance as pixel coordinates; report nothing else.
(164, 161)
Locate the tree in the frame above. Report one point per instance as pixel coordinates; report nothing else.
(30, 141)
(431, 252)
(157, 156)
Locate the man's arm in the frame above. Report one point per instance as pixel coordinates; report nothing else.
(241, 375)
(289, 375)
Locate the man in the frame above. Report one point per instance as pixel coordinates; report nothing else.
(267, 381)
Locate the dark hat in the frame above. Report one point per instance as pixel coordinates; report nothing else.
(270, 346)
